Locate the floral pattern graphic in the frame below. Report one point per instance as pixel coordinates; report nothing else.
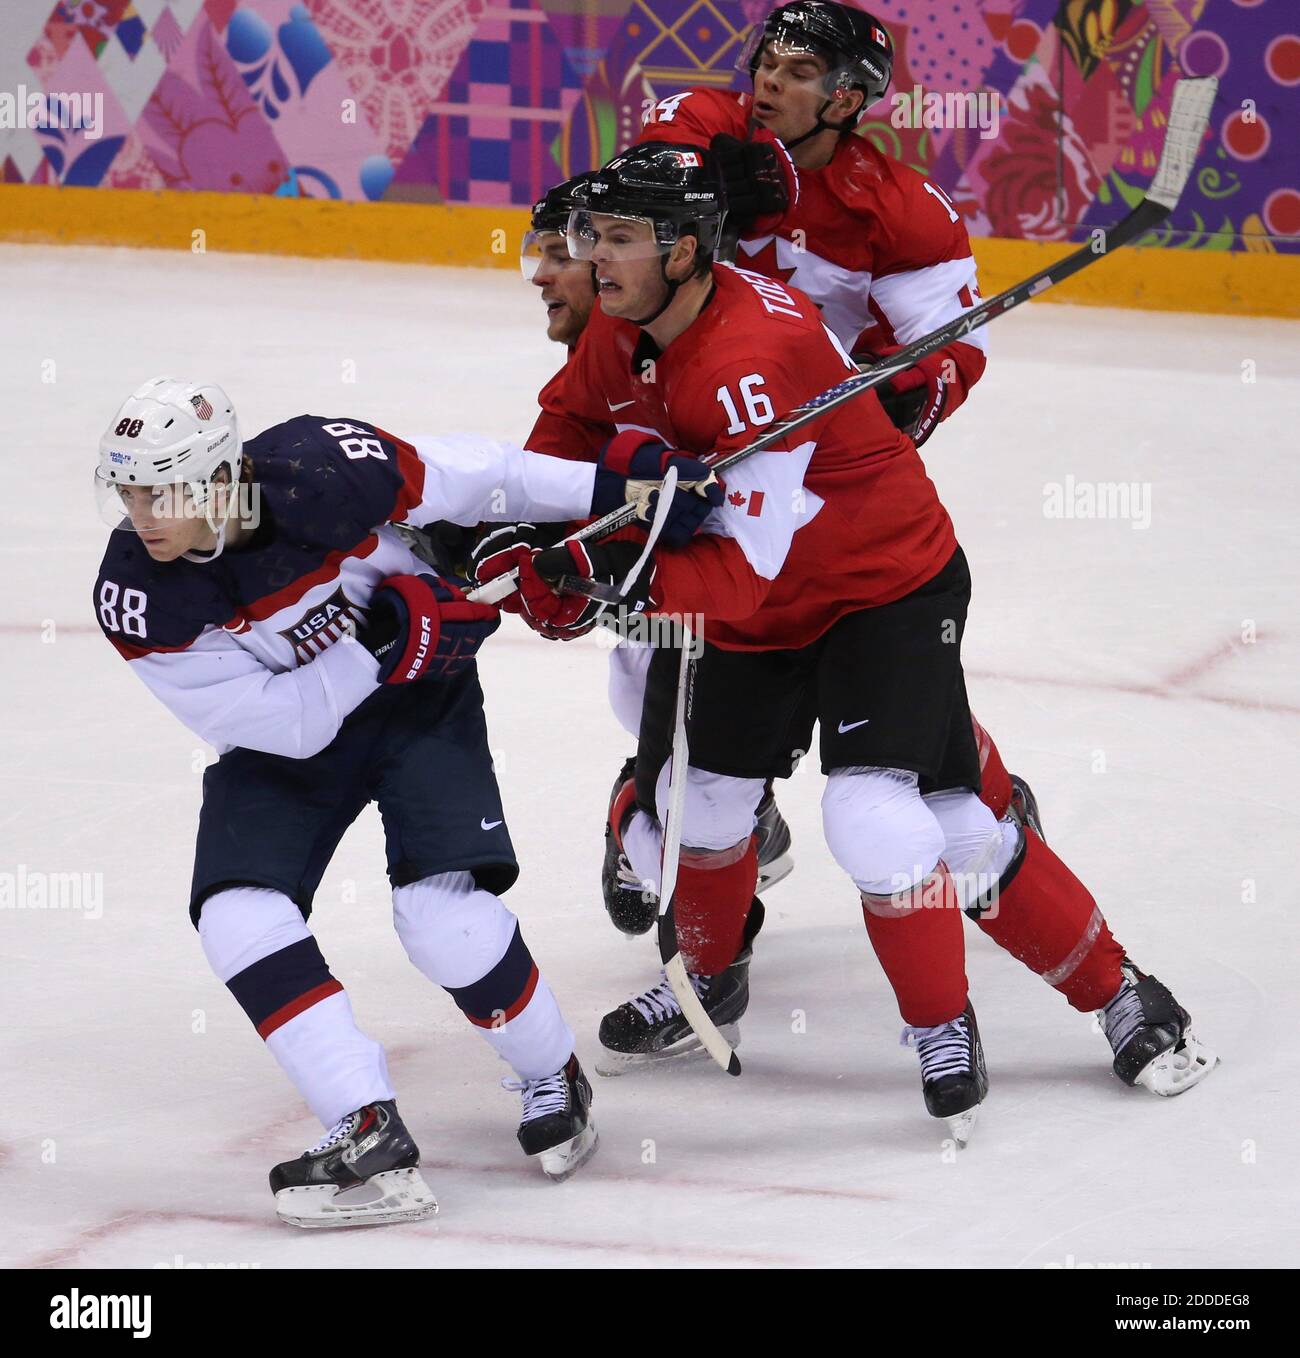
(202, 127)
(486, 101)
(1025, 193)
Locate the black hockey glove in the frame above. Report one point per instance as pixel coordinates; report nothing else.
(760, 179)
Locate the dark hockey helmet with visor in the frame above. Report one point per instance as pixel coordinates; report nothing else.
(550, 219)
(856, 47)
(676, 190)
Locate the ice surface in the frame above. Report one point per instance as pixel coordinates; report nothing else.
(1106, 658)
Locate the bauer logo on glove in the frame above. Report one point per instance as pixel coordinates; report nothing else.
(421, 626)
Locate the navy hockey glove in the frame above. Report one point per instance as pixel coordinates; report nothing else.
(630, 469)
(761, 180)
(419, 626)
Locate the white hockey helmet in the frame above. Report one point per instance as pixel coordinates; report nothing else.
(169, 433)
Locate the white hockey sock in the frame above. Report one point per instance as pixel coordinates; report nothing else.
(465, 940)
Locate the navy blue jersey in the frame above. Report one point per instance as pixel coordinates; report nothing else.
(255, 648)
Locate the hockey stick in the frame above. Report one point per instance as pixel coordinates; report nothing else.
(674, 966)
(1188, 117)
(613, 594)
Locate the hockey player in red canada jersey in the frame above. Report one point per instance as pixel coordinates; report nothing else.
(262, 593)
(886, 256)
(568, 291)
(832, 590)
(877, 245)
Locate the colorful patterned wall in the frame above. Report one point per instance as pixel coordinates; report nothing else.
(490, 101)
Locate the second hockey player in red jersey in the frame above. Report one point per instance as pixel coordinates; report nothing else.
(875, 243)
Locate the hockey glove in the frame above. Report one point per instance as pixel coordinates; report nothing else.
(761, 180)
(420, 626)
(914, 399)
(573, 568)
(630, 469)
(495, 553)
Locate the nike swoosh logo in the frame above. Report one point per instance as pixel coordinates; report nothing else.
(489, 824)
(622, 405)
(852, 725)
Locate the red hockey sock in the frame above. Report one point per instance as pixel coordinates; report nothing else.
(922, 949)
(1047, 918)
(995, 781)
(711, 904)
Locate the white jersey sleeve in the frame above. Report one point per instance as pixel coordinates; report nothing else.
(224, 694)
(466, 479)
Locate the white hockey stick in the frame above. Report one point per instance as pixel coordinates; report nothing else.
(674, 967)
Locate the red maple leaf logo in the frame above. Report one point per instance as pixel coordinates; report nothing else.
(765, 262)
(736, 498)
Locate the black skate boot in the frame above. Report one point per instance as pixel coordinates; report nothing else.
(557, 1126)
(773, 834)
(631, 903)
(954, 1079)
(1149, 1032)
(651, 1028)
(364, 1172)
(1023, 807)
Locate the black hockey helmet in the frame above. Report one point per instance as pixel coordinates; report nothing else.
(551, 211)
(855, 46)
(550, 217)
(676, 189)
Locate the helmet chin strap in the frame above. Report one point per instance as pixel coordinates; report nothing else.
(232, 504)
(202, 558)
(819, 125)
(670, 291)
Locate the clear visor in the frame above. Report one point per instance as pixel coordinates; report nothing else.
(134, 509)
(803, 63)
(544, 248)
(610, 236)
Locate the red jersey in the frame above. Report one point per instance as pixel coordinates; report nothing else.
(593, 436)
(878, 247)
(840, 516)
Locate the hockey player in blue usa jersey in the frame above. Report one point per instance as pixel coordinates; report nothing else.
(264, 595)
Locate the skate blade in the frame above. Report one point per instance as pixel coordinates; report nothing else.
(961, 1125)
(1176, 1070)
(395, 1195)
(682, 1052)
(560, 1162)
(769, 874)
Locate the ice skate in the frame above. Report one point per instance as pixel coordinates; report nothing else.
(953, 1076)
(364, 1172)
(556, 1127)
(651, 1029)
(1150, 1035)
